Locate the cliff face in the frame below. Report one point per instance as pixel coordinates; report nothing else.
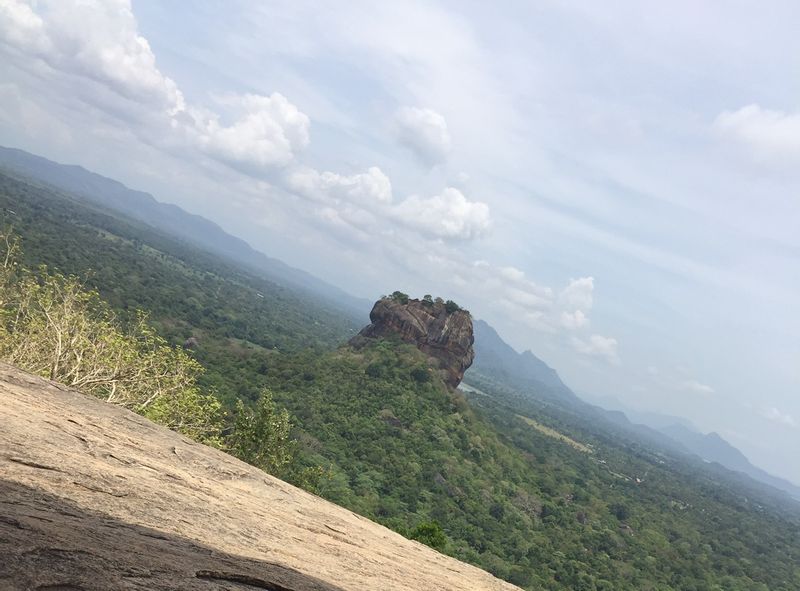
(441, 333)
(94, 497)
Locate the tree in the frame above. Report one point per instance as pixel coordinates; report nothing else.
(451, 306)
(399, 296)
(52, 325)
(57, 328)
(431, 534)
(261, 436)
(10, 245)
(421, 374)
(619, 510)
(198, 416)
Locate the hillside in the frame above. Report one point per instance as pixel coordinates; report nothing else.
(526, 380)
(238, 317)
(93, 497)
(171, 219)
(530, 507)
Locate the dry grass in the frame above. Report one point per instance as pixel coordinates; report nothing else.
(545, 430)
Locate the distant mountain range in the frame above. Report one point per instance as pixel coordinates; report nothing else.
(496, 359)
(713, 448)
(171, 219)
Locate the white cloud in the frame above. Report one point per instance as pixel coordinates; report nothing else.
(512, 273)
(578, 294)
(574, 320)
(598, 346)
(94, 40)
(449, 215)
(769, 134)
(773, 414)
(21, 27)
(697, 387)
(90, 53)
(425, 132)
(370, 189)
(269, 133)
(575, 301)
(539, 307)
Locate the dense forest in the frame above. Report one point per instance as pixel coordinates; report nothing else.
(228, 311)
(527, 490)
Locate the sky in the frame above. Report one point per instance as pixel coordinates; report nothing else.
(615, 186)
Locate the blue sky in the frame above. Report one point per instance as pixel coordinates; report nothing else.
(614, 187)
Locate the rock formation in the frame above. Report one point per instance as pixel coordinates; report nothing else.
(94, 497)
(440, 330)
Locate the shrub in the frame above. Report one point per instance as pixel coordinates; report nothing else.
(399, 296)
(261, 436)
(421, 374)
(52, 325)
(451, 306)
(431, 534)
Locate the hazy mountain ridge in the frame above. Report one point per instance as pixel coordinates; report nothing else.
(496, 359)
(713, 448)
(170, 218)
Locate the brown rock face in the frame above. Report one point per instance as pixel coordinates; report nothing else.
(445, 335)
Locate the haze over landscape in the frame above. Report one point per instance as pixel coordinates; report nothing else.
(613, 188)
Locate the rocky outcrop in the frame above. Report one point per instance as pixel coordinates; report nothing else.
(94, 497)
(440, 330)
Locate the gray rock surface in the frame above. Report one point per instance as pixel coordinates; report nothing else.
(93, 497)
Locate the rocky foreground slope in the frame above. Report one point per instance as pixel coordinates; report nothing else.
(94, 497)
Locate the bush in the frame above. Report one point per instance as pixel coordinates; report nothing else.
(261, 436)
(51, 325)
(420, 374)
(620, 511)
(431, 534)
(399, 296)
(194, 414)
(451, 306)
